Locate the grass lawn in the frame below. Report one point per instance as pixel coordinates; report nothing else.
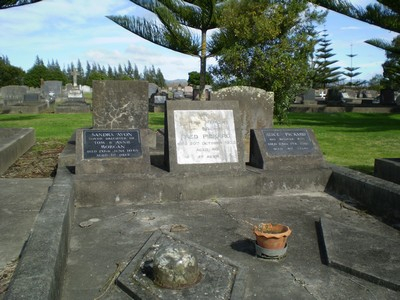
(352, 140)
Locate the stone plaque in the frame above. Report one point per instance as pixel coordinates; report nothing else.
(205, 136)
(111, 144)
(288, 141)
(112, 151)
(294, 149)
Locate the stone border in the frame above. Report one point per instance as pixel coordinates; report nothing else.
(16, 142)
(379, 196)
(388, 169)
(39, 274)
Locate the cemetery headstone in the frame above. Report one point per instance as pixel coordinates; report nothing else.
(52, 86)
(309, 96)
(203, 137)
(285, 149)
(387, 96)
(256, 109)
(111, 151)
(13, 94)
(31, 98)
(120, 104)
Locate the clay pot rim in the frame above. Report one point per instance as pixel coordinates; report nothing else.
(287, 231)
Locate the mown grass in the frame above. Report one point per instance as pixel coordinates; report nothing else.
(352, 140)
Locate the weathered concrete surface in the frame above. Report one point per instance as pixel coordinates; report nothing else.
(363, 253)
(41, 267)
(13, 143)
(100, 251)
(20, 202)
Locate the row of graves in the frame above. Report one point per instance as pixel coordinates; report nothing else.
(22, 99)
(349, 96)
(226, 147)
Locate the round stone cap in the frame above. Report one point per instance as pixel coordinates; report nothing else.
(175, 267)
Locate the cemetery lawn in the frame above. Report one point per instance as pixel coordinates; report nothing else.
(352, 140)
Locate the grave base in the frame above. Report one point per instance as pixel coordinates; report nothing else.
(161, 186)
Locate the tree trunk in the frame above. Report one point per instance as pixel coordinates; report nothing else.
(203, 58)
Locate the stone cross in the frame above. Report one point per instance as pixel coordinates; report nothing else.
(75, 74)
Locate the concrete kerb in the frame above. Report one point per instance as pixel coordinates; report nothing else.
(379, 196)
(39, 274)
(14, 143)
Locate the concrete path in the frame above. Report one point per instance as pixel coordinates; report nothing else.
(20, 202)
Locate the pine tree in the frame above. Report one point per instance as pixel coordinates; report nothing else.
(14, 3)
(351, 71)
(323, 72)
(391, 67)
(177, 17)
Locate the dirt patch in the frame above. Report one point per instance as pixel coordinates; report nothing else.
(38, 162)
(6, 275)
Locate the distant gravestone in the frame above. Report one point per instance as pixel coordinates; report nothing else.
(31, 98)
(309, 96)
(285, 149)
(52, 86)
(120, 104)
(13, 93)
(387, 96)
(111, 151)
(256, 109)
(203, 137)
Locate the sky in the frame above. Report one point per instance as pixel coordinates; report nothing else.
(68, 30)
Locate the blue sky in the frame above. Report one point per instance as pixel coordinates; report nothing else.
(68, 30)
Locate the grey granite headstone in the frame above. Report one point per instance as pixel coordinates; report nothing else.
(256, 109)
(52, 86)
(120, 104)
(285, 149)
(203, 137)
(31, 97)
(112, 151)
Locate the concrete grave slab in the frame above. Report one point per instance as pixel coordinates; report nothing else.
(14, 142)
(203, 137)
(362, 253)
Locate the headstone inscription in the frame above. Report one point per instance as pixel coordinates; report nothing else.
(114, 151)
(285, 149)
(256, 109)
(121, 104)
(202, 137)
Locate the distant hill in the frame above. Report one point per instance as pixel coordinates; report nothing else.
(175, 82)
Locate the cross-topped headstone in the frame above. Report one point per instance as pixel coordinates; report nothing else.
(75, 74)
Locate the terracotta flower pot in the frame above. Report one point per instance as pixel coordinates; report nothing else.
(271, 236)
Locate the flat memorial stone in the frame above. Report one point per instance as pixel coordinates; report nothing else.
(363, 254)
(285, 149)
(111, 151)
(202, 137)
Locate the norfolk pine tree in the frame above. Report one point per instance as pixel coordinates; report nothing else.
(174, 31)
(323, 72)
